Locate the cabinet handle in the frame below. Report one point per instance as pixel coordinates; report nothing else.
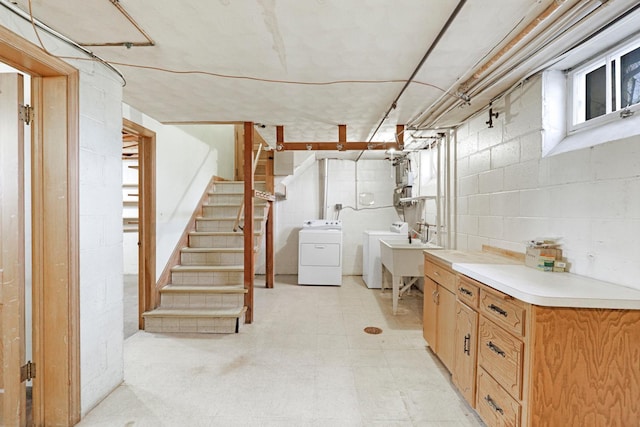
(467, 347)
(493, 404)
(498, 310)
(433, 296)
(435, 273)
(465, 291)
(497, 350)
(437, 298)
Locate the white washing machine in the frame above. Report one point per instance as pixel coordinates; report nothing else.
(320, 253)
(371, 264)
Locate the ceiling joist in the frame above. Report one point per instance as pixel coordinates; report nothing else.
(341, 144)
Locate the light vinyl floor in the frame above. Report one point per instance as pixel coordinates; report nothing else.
(305, 361)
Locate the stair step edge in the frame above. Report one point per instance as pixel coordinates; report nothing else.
(181, 312)
(220, 233)
(206, 268)
(230, 289)
(190, 250)
(226, 218)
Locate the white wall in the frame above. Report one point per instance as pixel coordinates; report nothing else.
(303, 203)
(220, 137)
(184, 167)
(348, 179)
(101, 289)
(508, 193)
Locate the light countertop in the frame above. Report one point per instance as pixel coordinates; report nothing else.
(451, 256)
(551, 289)
(542, 288)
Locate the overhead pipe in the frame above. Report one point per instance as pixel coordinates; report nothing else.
(442, 32)
(542, 17)
(477, 78)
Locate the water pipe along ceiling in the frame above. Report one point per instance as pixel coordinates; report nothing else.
(311, 65)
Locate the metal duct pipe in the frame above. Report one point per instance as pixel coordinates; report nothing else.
(324, 190)
(479, 80)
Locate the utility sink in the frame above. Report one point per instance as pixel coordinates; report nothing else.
(402, 259)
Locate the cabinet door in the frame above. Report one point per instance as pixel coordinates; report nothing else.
(430, 313)
(465, 351)
(446, 301)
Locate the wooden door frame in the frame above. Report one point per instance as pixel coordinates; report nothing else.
(12, 252)
(56, 281)
(147, 295)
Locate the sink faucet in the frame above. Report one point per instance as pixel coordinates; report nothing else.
(423, 232)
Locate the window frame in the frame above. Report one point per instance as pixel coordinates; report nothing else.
(577, 90)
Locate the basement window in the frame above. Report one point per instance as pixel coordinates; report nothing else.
(605, 89)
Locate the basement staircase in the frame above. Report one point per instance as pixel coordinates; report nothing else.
(206, 293)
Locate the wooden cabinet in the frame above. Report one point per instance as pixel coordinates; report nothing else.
(430, 313)
(465, 350)
(439, 311)
(520, 364)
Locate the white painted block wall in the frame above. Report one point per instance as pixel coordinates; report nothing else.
(303, 203)
(101, 266)
(100, 222)
(508, 193)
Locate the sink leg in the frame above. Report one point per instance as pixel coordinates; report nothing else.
(396, 293)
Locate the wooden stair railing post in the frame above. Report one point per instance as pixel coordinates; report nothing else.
(271, 218)
(236, 224)
(249, 262)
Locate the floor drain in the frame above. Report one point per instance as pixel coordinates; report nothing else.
(373, 330)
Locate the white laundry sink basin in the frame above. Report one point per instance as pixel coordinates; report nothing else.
(402, 259)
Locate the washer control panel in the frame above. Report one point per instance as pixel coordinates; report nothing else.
(323, 224)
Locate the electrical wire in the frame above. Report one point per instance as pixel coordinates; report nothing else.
(35, 24)
(93, 57)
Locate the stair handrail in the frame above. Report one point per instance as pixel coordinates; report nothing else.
(236, 223)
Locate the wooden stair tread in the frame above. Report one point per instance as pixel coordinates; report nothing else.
(221, 233)
(235, 182)
(206, 268)
(227, 218)
(231, 289)
(207, 250)
(200, 312)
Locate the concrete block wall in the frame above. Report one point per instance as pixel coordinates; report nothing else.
(303, 203)
(508, 193)
(347, 181)
(101, 265)
(100, 221)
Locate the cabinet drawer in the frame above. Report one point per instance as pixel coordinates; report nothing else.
(468, 292)
(495, 406)
(506, 311)
(500, 354)
(441, 275)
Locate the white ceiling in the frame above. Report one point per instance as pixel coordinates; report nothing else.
(309, 65)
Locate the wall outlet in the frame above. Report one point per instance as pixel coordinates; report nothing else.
(338, 206)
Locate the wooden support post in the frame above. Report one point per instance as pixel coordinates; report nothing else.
(342, 133)
(271, 219)
(279, 134)
(249, 258)
(400, 134)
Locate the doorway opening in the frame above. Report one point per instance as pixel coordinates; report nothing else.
(130, 230)
(139, 224)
